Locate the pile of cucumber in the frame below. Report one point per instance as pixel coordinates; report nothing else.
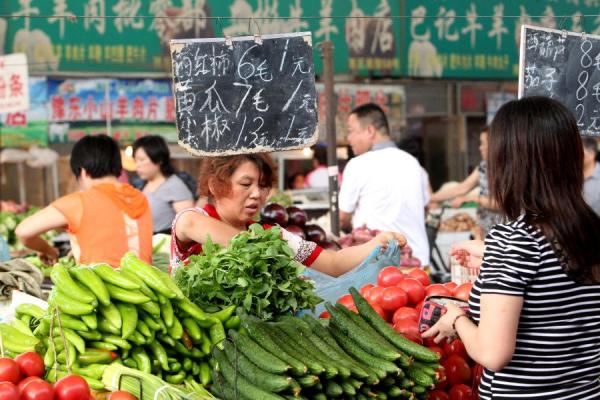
(134, 315)
(355, 356)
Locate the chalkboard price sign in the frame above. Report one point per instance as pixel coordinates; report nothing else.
(564, 66)
(244, 94)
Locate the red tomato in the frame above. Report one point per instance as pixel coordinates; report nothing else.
(419, 306)
(39, 389)
(389, 276)
(429, 342)
(8, 391)
(30, 364)
(456, 347)
(438, 350)
(26, 381)
(365, 289)
(393, 298)
(420, 275)
(437, 289)
(414, 289)
(463, 291)
(407, 327)
(438, 395)
(121, 395)
(375, 295)
(417, 339)
(379, 310)
(461, 392)
(450, 285)
(9, 371)
(324, 315)
(457, 370)
(353, 309)
(346, 300)
(72, 387)
(405, 313)
(442, 379)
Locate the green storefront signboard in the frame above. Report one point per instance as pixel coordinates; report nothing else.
(480, 39)
(135, 42)
(439, 38)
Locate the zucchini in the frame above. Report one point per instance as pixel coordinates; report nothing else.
(420, 353)
(262, 379)
(259, 356)
(238, 382)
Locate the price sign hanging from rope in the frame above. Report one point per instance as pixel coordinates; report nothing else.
(245, 94)
(564, 66)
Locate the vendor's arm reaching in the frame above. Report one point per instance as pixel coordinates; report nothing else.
(194, 227)
(29, 231)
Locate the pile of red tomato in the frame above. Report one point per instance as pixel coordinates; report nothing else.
(22, 379)
(398, 298)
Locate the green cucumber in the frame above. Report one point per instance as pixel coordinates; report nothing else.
(371, 342)
(298, 368)
(283, 341)
(420, 353)
(259, 356)
(306, 345)
(377, 365)
(335, 354)
(308, 381)
(420, 378)
(333, 390)
(262, 379)
(236, 380)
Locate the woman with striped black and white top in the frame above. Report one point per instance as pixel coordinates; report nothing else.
(536, 302)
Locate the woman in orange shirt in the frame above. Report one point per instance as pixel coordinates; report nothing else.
(105, 219)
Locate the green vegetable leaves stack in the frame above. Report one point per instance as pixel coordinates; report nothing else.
(256, 272)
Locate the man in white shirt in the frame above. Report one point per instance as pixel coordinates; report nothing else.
(383, 186)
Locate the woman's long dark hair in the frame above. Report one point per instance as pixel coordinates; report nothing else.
(535, 168)
(157, 150)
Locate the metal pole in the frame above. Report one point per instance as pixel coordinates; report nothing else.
(332, 166)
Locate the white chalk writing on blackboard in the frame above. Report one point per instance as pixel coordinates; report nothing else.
(244, 95)
(565, 66)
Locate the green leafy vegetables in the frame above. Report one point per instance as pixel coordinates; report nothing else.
(256, 272)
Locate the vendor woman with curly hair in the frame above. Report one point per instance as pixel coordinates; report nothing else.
(237, 187)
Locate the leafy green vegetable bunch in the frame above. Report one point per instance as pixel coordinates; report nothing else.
(256, 271)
